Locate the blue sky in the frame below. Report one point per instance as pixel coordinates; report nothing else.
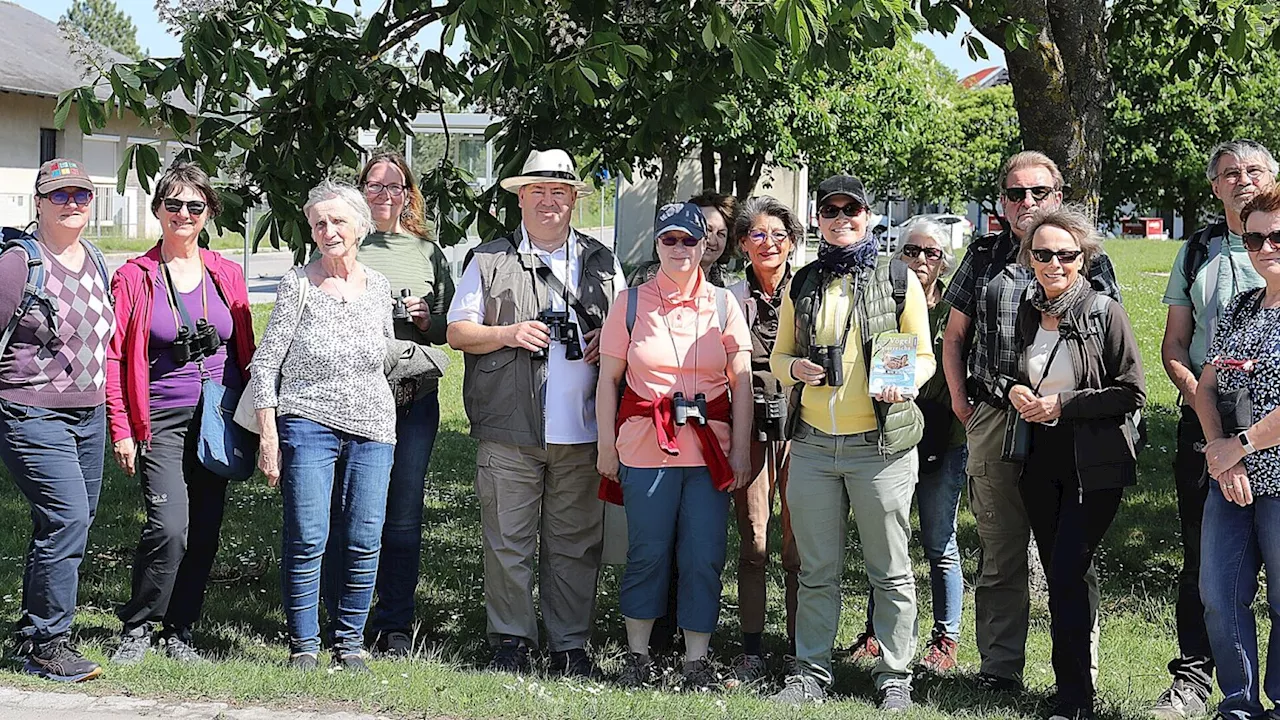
(152, 35)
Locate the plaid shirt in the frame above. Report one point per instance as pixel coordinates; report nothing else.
(969, 292)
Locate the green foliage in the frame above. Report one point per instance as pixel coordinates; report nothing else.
(960, 159)
(106, 24)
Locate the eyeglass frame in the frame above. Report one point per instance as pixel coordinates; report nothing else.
(70, 195)
(1055, 254)
(369, 190)
(190, 205)
(912, 250)
(1255, 173)
(1039, 192)
(1272, 238)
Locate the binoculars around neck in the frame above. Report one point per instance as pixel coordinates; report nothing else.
(686, 410)
(203, 343)
(831, 359)
(562, 330)
(399, 310)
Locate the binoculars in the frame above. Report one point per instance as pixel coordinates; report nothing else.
(686, 410)
(203, 343)
(400, 311)
(831, 359)
(770, 412)
(562, 330)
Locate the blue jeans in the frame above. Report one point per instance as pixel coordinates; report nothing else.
(334, 487)
(416, 427)
(55, 458)
(677, 507)
(938, 495)
(1236, 543)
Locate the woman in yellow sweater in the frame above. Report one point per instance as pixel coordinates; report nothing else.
(849, 448)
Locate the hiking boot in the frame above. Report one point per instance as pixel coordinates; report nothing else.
(798, 690)
(133, 646)
(747, 670)
(637, 671)
(700, 674)
(304, 661)
(988, 682)
(395, 644)
(178, 649)
(58, 660)
(895, 696)
(351, 662)
(939, 656)
(512, 656)
(1066, 711)
(574, 663)
(866, 649)
(1181, 700)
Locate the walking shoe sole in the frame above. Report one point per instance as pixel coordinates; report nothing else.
(35, 669)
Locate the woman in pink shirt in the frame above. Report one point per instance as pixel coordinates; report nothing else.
(678, 442)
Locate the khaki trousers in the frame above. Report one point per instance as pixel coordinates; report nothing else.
(530, 495)
(770, 462)
(1002, 599)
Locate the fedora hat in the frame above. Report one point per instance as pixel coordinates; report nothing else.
(547, 166)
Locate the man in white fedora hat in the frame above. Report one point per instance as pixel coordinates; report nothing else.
(527, 314)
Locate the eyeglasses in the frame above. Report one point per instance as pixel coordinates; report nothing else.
(1235, 175)
(375, 189)
(62, 197)
(829, 212)
(1019, 194)
(1066, 257)
(912, 251)
(778, 237)
(688, 240)
(1253, 241)
(194, 207)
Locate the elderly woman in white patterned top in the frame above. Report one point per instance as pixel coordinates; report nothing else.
(318, 381)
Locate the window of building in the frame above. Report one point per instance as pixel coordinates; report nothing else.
(48, 144)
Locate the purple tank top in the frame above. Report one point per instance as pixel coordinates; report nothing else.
(178, 386)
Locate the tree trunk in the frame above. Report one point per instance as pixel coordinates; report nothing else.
(728, 170)
(746, 176)
(1189, 208)
(1061, 86)
(668, 178)
(708, 158)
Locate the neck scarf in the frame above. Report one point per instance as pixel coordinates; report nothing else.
(847, 259)
(1059, 306)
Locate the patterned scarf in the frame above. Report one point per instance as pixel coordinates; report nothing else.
(847, 259)
(1059, 306)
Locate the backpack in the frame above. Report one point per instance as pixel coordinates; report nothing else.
(1198, 247)
(37, 275)
(1135, 422)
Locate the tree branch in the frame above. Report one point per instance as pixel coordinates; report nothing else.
(404, 32)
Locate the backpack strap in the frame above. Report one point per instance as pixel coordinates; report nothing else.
(1199, 247)
(722, 307)
(33, 290)
(898, 276)
(633, 297)
(100, 262)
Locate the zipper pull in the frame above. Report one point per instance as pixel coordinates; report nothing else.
(1082, 493)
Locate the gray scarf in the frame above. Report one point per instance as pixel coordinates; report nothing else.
(1059, 306)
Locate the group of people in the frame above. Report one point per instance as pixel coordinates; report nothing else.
(676, 398)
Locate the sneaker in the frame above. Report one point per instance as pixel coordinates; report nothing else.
(988, 682)
(353, 662)
(574, 663)
(178, 649)
(512, 656)
(939, 656)
(133, 646)
(304, 661)
(700, 675)
(58, 660)
(637, 671)
(789, 666)
(395, 644)
(798, 690)
(1071, 712)
(895, 696)
(1181, 700)
(747, 670)
(866, 649)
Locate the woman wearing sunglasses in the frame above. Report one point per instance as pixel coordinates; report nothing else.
(1080, 387)
(52, 424)
(1242, 513)
(183, 315)
(683, 349)
(719, 212)
(850, 449)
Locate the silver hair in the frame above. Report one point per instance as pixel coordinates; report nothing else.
(754, 207)
(331, 190)
(1241, 149)
(939, 233)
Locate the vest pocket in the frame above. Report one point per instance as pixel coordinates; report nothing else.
(495, 386)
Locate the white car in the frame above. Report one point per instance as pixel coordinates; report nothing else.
(959, 226)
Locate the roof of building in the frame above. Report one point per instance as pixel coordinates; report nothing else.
(34, 57)
(988, 77)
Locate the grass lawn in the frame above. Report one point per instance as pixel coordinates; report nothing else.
(244, 624)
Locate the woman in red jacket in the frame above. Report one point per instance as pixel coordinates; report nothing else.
(183, 315)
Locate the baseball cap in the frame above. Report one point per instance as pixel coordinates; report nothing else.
(685, 217)
(847, 185)
(61, 173)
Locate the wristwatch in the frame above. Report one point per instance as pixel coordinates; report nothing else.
(1249, 449)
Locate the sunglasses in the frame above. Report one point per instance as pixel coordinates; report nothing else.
(194, 207)
(912, 251)
(1253, 241)
(62, 197)
(374, 189)
(1019, 194)
(1064, 256)
(671, 240)
(829, 212)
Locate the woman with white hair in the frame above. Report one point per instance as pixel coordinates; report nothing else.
(328, 427)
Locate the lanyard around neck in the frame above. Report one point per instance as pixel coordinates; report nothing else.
(176, 306)
(536, 260)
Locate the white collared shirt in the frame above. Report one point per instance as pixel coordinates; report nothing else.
(571, 384)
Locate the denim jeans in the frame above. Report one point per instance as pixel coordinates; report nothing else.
(334, 487)
(398, 570)
(55, 458)
(938, 495)
(1236, 544)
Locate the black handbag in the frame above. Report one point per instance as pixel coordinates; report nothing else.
(1236, 411)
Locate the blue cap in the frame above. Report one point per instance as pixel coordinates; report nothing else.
(685, 217)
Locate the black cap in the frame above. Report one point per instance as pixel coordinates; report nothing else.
(842, 185)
